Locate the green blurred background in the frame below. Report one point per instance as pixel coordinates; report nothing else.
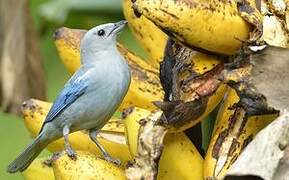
(49, 15)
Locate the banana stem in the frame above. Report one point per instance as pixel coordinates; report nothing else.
(150, 146)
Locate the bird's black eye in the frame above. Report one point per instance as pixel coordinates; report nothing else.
(100, 32)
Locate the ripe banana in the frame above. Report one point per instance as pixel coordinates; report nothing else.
(87, 166)
(38, 170)
(67, 42)
(216, 26)
(179, 160)
(232, 132)
(150, 37)
(111, 136)
(145, 85)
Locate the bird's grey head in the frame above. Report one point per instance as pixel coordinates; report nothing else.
(101, 38)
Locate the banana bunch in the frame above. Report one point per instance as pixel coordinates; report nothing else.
(190, 86)
(233, 131)
(145, 86)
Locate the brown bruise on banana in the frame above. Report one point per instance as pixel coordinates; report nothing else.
(228, 141)
(195, 87)
(190, 89)
(30, 108)
(234, 138)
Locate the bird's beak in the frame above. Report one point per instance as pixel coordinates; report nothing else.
(118, 27)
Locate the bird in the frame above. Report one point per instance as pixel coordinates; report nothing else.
(89, 98)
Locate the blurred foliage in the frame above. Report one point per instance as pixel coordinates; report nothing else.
(57, 10)
(77, 14)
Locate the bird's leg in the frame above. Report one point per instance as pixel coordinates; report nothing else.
(93, 134)
(70, 152)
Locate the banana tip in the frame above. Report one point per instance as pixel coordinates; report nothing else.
(27, 105)
(58, 33)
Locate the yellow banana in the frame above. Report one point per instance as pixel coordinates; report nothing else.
(111, 137)
(87, 166)
(145, 85)
(67, 42)
(179, 160)
(38, 170)
(150, 37)
(232, 132)
(216, 26)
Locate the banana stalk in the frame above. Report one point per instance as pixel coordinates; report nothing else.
(87, 166)
(150, 37)
(179, 160)
(38, 170)
(233, 130)
(145, 85)
(215, 26)
(111, 136)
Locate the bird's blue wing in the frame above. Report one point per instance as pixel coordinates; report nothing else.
(71, 92)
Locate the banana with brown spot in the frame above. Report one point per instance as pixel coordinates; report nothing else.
(232, 132)
(87, 166)
(150, 37)
(216, 26)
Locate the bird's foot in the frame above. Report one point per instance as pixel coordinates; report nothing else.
(113, 160)
(71, 153)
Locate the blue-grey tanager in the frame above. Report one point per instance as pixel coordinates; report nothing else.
(89, 99)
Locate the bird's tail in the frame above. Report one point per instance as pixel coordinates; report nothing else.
(28, 155)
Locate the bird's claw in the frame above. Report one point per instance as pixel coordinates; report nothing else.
(71, 153)
(113, 160)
